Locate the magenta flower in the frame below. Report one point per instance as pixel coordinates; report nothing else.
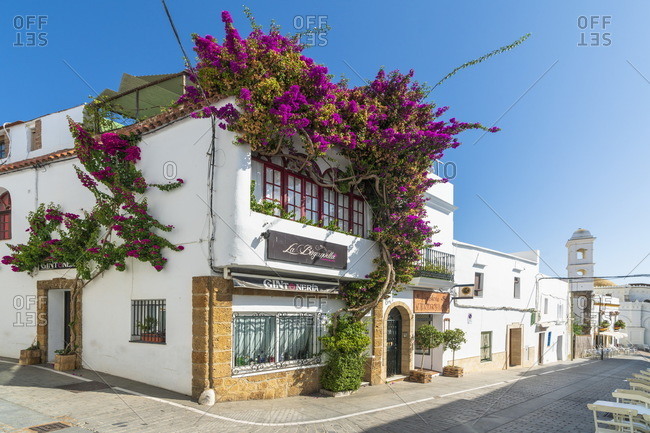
(226, 17)
(245, 94)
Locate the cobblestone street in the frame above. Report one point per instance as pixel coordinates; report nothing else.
(542, 399)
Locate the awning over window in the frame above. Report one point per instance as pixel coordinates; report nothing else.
(262, 282)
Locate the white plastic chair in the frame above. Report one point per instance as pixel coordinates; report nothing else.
(622, 421)
(640, 398)
(638, 385)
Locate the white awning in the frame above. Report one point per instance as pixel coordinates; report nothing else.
(614, 334)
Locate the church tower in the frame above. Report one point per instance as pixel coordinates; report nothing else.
(580, 263)
(580, 268)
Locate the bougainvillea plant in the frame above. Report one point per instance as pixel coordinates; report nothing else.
(119, 225)
(287, 105)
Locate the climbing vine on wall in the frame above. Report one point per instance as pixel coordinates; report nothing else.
(288, 105)
(119, 225)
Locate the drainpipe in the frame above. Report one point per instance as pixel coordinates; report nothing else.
(210, 335)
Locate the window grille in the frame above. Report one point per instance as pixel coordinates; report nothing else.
(517, 293)
(486, 346)
(148, 320)
(263, 341)
(478, 285)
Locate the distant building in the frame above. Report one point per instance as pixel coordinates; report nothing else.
(634, 308)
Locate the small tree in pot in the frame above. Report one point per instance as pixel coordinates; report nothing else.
(453, 339)
(427, 337)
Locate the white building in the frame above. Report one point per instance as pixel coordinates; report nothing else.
(633, 309)
(239, 306)
(512, 317)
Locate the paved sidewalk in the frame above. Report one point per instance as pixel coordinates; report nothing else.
(543, 399)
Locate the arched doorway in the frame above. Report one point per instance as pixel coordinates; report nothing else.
(393, 343)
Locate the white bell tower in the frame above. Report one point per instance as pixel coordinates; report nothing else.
(580, 264)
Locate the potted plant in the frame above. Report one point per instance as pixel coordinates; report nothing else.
(603, 326)
(345, 345)
(581, 329)
(427, 337)
(453, 339)
(65, 359)
(619, 324)
(147, 331)
(31, 355)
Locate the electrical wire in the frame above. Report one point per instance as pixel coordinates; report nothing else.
(607, 277)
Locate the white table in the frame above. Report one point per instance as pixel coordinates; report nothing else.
(642, 410)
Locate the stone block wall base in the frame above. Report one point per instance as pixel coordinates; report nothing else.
(269, 385)
(474, 363)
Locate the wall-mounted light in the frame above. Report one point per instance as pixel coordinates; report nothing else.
(265, 234)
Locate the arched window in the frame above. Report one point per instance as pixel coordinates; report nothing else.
(582, 254)
(5, 216)
(581, 272)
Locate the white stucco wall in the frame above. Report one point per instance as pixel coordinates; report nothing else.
(554, 313)
(181, 147)
(499, 270)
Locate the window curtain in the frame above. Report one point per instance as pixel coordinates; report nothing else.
(254, 339)
(296, 337)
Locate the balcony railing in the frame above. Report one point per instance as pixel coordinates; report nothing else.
(436, 264)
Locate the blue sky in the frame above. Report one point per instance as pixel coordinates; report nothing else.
(573, 151)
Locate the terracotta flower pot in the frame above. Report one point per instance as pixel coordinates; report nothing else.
(150, 337)
(602, 329)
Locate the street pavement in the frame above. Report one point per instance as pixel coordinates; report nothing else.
(548, 399)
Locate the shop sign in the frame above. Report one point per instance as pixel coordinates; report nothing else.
(430, 302)
(54, 265)
(297, 249)
(276, 283)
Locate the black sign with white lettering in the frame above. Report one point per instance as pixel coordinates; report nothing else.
(276, 283)
(54, 265)
(297, 249)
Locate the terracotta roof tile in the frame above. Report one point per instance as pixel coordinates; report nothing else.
(38, 160)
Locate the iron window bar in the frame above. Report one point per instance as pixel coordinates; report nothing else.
(272, 341)
(148, 321)
(436, 264)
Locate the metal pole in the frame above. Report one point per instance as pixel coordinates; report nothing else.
(600, 306)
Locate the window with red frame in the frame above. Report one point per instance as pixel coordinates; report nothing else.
(273, 185)
(301, 198)
(5, 216)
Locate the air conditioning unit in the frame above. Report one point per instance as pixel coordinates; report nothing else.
(466, 292)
